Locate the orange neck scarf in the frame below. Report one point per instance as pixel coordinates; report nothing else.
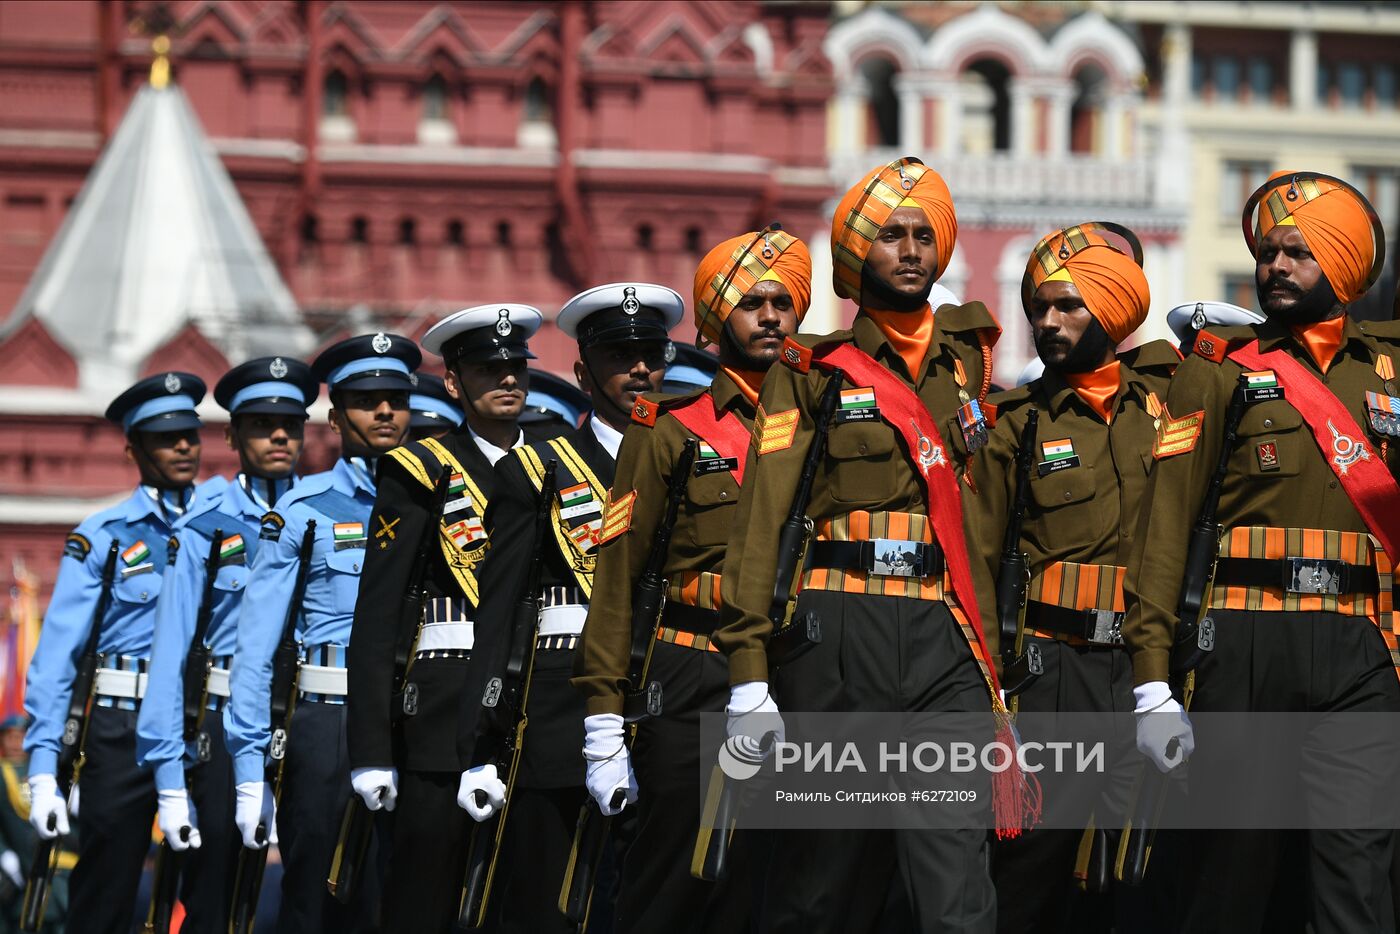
(909, 333)
(1322, 339)
(748, 382)
(1098, 388)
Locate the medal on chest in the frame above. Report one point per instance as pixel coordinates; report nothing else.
(1383, 412)
(972, 419)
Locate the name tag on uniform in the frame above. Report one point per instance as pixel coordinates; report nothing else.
(1384, 413)
(973, 422)
(1057, 455)
(457, 505)
(138, 569)
(710, 462)
(858, 405)
(1262, 386)
(578, 501)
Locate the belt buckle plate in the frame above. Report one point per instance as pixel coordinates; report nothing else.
(1314, 575)
(898, 557)
(1103, 626)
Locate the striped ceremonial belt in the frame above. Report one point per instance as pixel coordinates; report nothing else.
(692, 611)
(322, 677)
(448, 630)
(121, 681)
(562, 613)
(1081, 604)
(904, 528)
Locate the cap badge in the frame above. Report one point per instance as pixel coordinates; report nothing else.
(278, 368)
(1198, 317)
(670, 352)
(503, 326)
(172, 383)
(381, 343)
(630, 305)
(1064, 250)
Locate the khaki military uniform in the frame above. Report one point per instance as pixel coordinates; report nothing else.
(658, 892)
(1087, 481)
(889, 641)
(1276, 649)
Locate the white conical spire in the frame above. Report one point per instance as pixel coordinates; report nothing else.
(158, 238)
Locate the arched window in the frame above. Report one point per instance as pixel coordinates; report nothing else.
(503, 233)
(408, 232)
(435, 98)
(537, 117)
(435, 127)
(335, 91)
(645, 237)
(456, 233)
(883, 102)
(1086, 113)
(986, 123)
(310, 229)
(359, 230)
(692, 240)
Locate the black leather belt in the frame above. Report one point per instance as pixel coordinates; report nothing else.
(1100, 627)
(889, 557)
(692, 619)
(1297, 575)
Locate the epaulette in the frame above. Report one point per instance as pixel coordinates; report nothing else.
(1388, 331)
(1152, 355)
(648, 408)
(1210, 347)
(419, 461)
(972, 316)
(797, 356)
(799, 350)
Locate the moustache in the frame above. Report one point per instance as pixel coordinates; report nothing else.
(769, 334)
(1277, 283)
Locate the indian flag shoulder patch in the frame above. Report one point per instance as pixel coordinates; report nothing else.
(349, 535)
(1057, 455)
(707, 451)
(1262, 386)
(231, 547)
(456, 484)
(577, 501)
(862, 397)
(136, 554)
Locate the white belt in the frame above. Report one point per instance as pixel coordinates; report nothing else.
(565, 620)
(113, 683)
(217, 685)
(323, 679)
(446, 636)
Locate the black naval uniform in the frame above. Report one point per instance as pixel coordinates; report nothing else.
(548, 791)
(428, 847)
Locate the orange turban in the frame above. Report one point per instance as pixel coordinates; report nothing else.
(730, 270)
(1112, 283)
(866, 207)
(1336, 222)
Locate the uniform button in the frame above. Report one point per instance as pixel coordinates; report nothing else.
(356, 568)
(724, 494)
(143, 595)
(1067, 494)
(237, 584)
(1268, 423)
(1332, 484)
(862, 449)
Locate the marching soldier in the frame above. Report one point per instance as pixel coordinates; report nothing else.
(403, 736)
(750, 294)
(1309, 509)
(887, 473)
(1097, 413)
(552, 398)
(368, 379)
(158, 418)
(621, 331)
(432, 409)
(266, 399)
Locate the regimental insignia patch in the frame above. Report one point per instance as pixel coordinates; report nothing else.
(1209, 346)
(271, 529)
(386, 530)
(1177, 435)
(774, 432)
(77, 546)
(797, 356)
(1267, 453)
(644, 412)
(617, 517)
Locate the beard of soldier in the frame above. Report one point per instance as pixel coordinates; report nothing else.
(370, 422)
(491, 396)
(1292, 286)
(166, 460)
(754, 332)
(269, 445)
(613, 375)
(1068, 338)
(902, 264)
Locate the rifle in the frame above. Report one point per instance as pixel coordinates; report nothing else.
(357, 822)
(70, 752)
(165, 878)
(1193, 639)
(792, 637)
(505, 719)
(1019, 669)
(286, 662)
(643, 699)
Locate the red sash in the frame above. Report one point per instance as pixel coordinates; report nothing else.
(727, 435)
(1359, 469)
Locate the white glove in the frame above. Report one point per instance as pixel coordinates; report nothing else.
(47, 810)
(177, 821)
(253, 805)
(73, 800)
(378, 787)
(481, 780)
(1163, 731)
(753, 715)
(9, 865)
(609, 764)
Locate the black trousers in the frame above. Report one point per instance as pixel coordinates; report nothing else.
(1333, 881)
(1034, 873)
(116, 808)
(206, 874)
(658, 894)
(427, 856)
(530, 868)
(880, 654)
(315, 789)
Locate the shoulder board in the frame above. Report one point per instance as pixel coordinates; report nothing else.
(972, 316)
(272, 524)
(77, 546)
(801, 351)
(654, 404)
(419, 461)
(796, 356)
(644, 412)
(1210, 346)
(1152, 355)
(1387, 331)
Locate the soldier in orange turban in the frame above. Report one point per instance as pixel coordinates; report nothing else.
(730, 270)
